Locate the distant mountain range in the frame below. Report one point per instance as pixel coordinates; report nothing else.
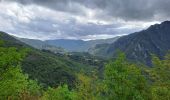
(140, 45)
(67, 44)
(137, 46)
(42, 45)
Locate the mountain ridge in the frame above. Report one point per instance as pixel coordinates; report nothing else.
(139, 46)
(46, 67)
(68, 45)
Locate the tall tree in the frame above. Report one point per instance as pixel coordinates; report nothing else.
(60, 93)
(12, 81)
(124, 81)
(160, 75)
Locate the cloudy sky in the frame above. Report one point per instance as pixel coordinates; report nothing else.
(80, 19)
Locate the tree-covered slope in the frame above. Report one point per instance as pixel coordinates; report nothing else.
(46, 67)
(121, 81)
(140, 45)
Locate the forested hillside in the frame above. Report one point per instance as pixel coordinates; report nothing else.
(84, 49)
(47, 68)
(139, 46)
(122, 81)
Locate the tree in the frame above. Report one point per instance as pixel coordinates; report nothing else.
(87, 87)
(60, 93)
(124, 81)
(160, 77)
(12, 81)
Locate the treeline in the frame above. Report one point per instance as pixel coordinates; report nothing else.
(121, 81)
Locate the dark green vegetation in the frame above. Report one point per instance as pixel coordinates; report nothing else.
(139, 46)
(32, 74)
(122, 81)
(47, 68)
(13, 83)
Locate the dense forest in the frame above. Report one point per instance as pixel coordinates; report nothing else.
(84, 49)
(121, 80)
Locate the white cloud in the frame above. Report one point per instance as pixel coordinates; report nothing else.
(16, 11)
(41, 22)
(101, 36)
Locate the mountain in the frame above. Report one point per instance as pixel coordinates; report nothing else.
(42, 45)
(78, 45)
(99, 50)
(69, 45)
(140, 45)
(47, 68)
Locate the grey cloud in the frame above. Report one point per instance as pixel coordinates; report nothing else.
(45, 29)
(142, 10)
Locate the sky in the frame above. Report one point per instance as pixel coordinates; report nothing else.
(80, 19)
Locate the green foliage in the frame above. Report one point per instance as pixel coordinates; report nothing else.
(161, 69)
(47, 68)
(52, 70)
(1, 43)
(161, 78)
(12, 81)
(33, 88)
(86, 88)
(124, 81)
(60, 93)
